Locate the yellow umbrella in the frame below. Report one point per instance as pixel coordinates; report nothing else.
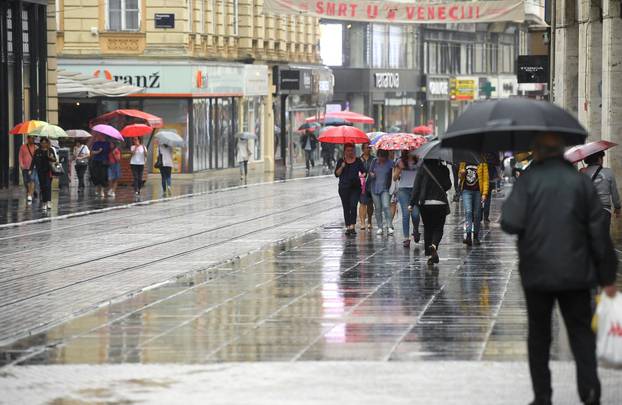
(49, 131)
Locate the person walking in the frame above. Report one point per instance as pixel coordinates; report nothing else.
(26, 154)
(243, 154)
(99, 164)
(114, 169)
(430, 196)
(380, 175)
(166, 170)
(605, 183)
(137, 164)
(348, 170)
(564, 252)
(474, 188)
(405, 173)
(81, 155)
(308, 143)
(366, 205)
(41, 162)
(328, 155)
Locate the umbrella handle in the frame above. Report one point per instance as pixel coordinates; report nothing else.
(150, 139)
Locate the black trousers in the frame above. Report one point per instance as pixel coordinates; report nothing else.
(576, 310)
(80, 172)
(433, 217)
(45, 186)
(349, 201)
(137, 175)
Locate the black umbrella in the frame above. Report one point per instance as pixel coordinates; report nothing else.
(511, 124)
(433, 150)
(335, 122)
(308, 125)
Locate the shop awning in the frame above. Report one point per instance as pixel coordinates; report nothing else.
(80, 85)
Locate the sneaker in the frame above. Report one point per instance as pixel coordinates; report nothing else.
(467, 239)
(111, 194)
(29, 199)
(169, 191)
(390, 231)
(102, 194)
(136, 193)
(379, 231)
(406, 243)
(49, 205)
(416, 236)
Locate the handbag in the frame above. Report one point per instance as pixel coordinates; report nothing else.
(82, 161)
(57, 168)
(438, 183)
(158, 163)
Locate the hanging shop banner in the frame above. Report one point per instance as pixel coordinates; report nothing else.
(402, 11)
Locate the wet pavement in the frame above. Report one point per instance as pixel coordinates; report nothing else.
(400, 331)
(69, 201)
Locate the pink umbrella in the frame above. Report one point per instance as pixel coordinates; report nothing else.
(422, 130)
(349, 116)
(108, 131)
(400, 141)
(580, 152)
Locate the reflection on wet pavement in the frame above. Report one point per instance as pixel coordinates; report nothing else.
(319, 297)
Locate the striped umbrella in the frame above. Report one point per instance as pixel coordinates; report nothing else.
(26, 127)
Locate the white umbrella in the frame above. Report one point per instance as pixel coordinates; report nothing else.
(170, 138)
(245, 135)
(78, 133)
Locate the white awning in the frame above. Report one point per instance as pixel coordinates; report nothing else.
(79, 85)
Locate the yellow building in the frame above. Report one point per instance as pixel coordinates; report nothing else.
(206, 68)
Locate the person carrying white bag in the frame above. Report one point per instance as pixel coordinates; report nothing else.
(609, 337)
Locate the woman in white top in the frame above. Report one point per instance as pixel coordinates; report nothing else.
(167, 168)
(137, 163)
(81, 155)
(244, 153)
(404, 173)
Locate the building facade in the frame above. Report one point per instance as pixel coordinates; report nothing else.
(409, 75)
(27, 74)
(586, 67)
(206, 67)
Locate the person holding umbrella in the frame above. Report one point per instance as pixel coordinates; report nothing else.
(605, 183)
(474, 186)
(348, 170)
(308, 143)
(81, 155)
(99, 163)
(564, 247)
(430, 197)
(114, 168)
(366, 206)
(26, 154)
(405, 173)
(137, 163)
(166, 168)
(380, 176)
(41, 162)
(243, 154)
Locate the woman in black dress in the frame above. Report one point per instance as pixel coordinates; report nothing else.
(348, 169)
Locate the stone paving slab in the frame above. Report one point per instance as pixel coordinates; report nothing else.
(304, 383)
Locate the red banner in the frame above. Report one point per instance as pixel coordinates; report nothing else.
(402, 11)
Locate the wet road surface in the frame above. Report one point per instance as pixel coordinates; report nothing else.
(365, 302)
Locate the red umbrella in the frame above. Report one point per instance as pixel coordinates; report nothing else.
(580, 152)
(121, 118)
(343, 135)
(135, 130)
(401, 141)
(344, 115)
(422, 130)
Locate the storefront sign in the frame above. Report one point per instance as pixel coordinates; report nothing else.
(146, 81)
(295, 81)
(438, 88)
(164, 20)
(387, 80)
(533, 69)
(256, 80)
(462, 89)
(403, 11)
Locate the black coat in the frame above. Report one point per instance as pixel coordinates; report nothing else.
(425, 188)
(563, 239)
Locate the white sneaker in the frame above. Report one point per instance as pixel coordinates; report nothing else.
(379, 231)
(111, 193)
(29, 198)
(390, 231)
(49, 204)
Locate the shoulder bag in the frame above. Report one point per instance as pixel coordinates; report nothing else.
(83, 161)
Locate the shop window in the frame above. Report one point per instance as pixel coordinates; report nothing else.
(123, 15)
(331, 44)
(235, 19)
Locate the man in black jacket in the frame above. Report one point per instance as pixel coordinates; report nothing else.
(564, 251)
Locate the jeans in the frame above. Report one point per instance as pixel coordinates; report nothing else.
(349, 201)
(486, 211)
(45, 184)
(472, 202)
(576, 310)
(382, 205)
(433, 217)
(244, 168)
(80, 172)
(165, 172)
(403, 196)
(309, 159)
(137, 175)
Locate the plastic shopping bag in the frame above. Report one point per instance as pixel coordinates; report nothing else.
(609, 337)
